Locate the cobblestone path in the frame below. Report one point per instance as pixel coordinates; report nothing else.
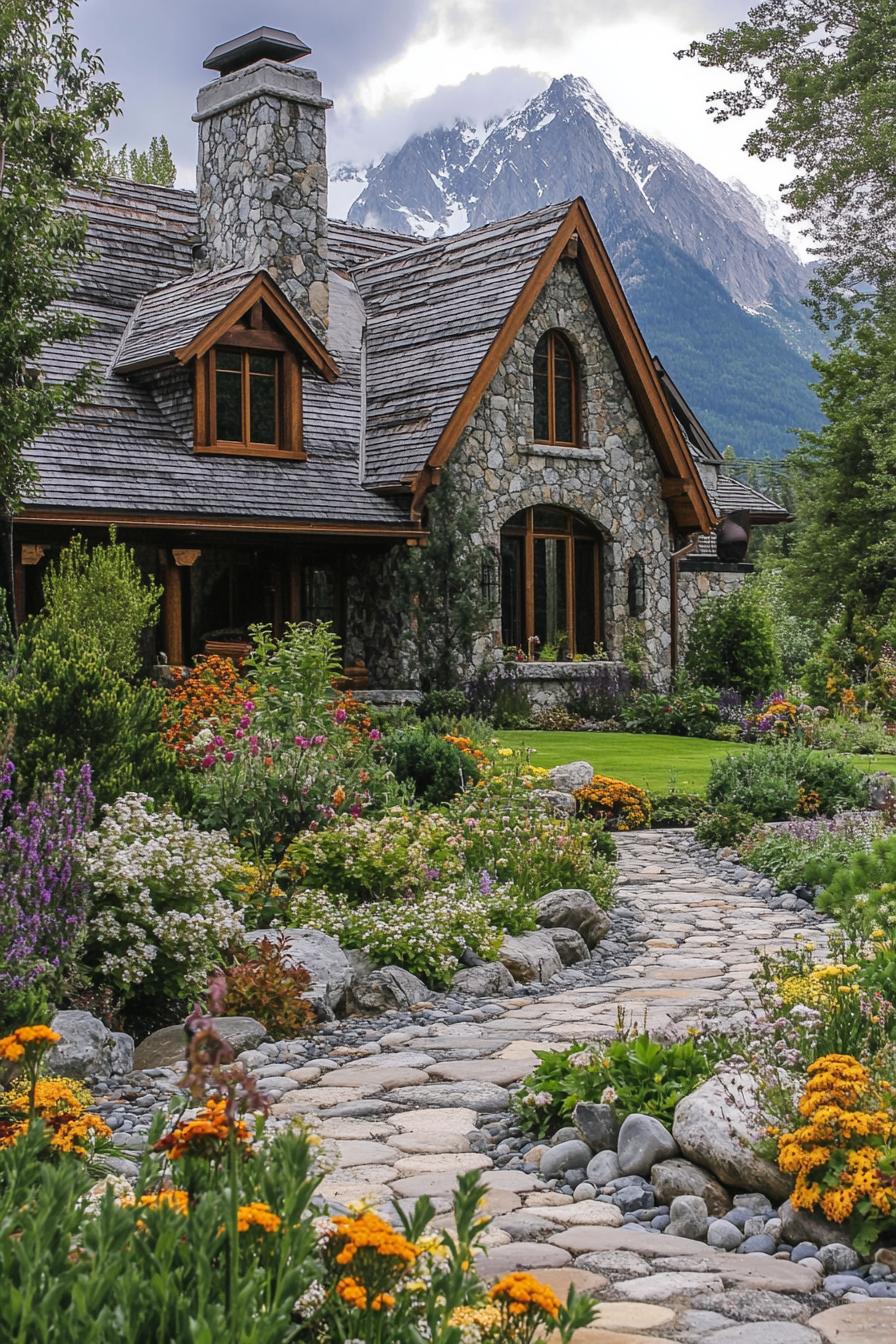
(408, 1114)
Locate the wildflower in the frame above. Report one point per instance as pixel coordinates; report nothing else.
(519, 1292)
(257, 1214)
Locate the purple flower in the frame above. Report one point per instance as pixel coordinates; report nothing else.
(218, 741)
(228, 756)
(374, 734)
(318, 740)
(340, 716)
(208, 760)
(485, 883)
(248, 706)
(301, 742)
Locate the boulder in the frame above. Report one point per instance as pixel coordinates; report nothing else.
(643, 1141)
(389, 987)
(680, 1177)
(881, 789)
(571, 946)
(122, 1052)
(530, 957)
(87, 1049)
(570, 908)
(490, 978)
(800, 1225)
(597, 1124)
(568, 778)
(712, 1127)
(556, 801)
(166, 1048)
(323, 959)
(563, 1157)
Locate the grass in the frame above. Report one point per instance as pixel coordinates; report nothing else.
(650, 760)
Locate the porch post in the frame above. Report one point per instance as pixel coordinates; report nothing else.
(172, 609)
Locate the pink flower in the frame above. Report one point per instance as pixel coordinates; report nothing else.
(228, 756)
(208, 761)
(374, 734)
(248, 706)
(301, 741)
(318, 741)
(244, 721)
(340, 716)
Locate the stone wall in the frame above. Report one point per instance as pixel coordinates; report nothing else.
(553, 685)
(614, 480)
(698, 580)
(377, 630)
(262, 179)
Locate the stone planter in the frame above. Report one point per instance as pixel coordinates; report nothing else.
(551, 685)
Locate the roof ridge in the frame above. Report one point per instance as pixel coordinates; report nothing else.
(559, 207)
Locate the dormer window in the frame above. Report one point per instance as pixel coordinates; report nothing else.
(556, 392)
(249, 391)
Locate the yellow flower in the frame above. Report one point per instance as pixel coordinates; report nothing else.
(257, 1214)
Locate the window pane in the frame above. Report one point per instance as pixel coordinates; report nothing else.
(563, 409)
(262, 364)
(229, 402)
(550, 590)
(319, 593)
(229, 359)
(586, 633)
(550, 520)
(540, 374)
(512, 591)
(263, 406)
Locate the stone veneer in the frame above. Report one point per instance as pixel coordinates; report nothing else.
(262, 179)
(613, 480)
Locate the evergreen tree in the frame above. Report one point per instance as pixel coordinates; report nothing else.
(53, 104)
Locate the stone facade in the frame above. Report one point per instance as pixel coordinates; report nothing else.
(614, 480)
(262, 179)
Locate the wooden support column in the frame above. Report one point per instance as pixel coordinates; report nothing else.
(172, 609)
(26, 555)
(294, 594)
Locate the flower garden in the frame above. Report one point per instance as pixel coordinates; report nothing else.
(253, 845)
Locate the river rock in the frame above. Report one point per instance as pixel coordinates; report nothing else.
(643, 1141)
(680, 1177)
(688, 1217)
(712, 1129)
(573, 776)
(572, 908)
(800, 1225)
(389, 987)
(530, 957)
(322, 958)
(564, 1156)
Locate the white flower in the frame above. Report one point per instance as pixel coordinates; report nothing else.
(609, 1096)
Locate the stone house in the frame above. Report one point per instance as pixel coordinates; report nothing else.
(278, 394)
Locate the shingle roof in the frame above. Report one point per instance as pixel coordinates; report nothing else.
(432, 314)
(170, 316)
(731, 495)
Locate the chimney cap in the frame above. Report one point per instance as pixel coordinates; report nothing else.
(274, 44)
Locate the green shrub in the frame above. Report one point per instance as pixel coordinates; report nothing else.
(867, 735)
(436, 768)
(442, 704)
(294, 679)
(101, 593)
(732, 643)
(677, 809)
(862, 895)
(723, 826)
(633, 1073)
(687, 711)
(67, 707)
(785, 780)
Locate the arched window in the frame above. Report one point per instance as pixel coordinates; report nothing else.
(556, 391)
(550, 582)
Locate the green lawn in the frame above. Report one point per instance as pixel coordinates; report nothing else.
(649, 760)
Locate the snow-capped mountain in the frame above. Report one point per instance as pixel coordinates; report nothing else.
(702, 268)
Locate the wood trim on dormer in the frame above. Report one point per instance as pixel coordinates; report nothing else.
(262, 288)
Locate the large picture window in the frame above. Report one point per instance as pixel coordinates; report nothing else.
(550, 581)
(556, 391)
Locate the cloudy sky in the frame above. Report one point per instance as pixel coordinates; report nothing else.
(396, 66)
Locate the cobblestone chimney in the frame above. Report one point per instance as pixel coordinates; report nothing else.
(262, 173)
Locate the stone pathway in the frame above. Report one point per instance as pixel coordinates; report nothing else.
(404, 1111)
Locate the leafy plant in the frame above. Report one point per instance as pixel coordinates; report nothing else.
(268, 987)
(810, 850)
(633, 1073)
(724, 825)
(731, 643)
(101, 593)
(677, 809)
(293, 678)
(862, 895)
(436, 768)
(446, 703)
(691, 711)
(785, 780)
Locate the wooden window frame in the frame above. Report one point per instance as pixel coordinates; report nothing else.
(254, 338)
(530, 534)
(554, 337)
